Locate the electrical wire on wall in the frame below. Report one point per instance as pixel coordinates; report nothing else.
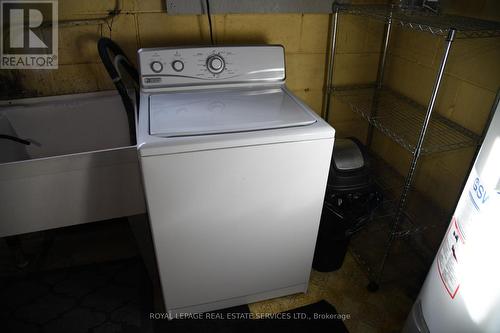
(110, 26)
(209, 21)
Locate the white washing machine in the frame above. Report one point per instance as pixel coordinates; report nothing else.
(235, 170)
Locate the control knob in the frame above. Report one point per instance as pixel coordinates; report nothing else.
(215, 64)
(177, 65)
(156, 66)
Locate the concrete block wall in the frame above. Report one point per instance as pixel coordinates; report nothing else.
(145, 23)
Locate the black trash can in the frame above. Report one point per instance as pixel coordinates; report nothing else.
(350, 201)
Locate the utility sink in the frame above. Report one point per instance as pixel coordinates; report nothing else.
(80, 166)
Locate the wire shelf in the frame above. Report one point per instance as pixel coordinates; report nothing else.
(429, 22)
(401, 119)
(405, 263)
(416, 239)
(411, 223)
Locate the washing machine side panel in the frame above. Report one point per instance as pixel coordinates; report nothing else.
(235, 222)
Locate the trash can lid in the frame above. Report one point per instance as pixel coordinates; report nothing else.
(347, 156)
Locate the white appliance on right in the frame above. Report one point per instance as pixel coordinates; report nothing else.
(462, 290)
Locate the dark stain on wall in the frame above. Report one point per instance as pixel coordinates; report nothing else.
(11, 86)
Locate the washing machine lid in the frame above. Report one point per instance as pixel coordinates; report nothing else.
(215, 112)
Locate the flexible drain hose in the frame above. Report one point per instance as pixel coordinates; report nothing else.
(106, 48)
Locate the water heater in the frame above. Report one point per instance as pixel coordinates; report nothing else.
(462, 290)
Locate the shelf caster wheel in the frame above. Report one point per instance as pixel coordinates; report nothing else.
(372, 287)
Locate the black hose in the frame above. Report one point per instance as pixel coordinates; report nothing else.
(15, 138)
(105, 46)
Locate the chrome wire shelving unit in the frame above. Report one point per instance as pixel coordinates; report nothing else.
(440, 25)
(414, 127)
(401, 119)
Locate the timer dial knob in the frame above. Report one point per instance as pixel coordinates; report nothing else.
(156, 66)
(215, 64)
(178, 65)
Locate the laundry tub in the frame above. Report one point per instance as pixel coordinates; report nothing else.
(80, 166)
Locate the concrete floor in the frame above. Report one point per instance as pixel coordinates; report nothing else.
(383, 311)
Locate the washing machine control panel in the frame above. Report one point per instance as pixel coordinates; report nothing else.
(200, 66)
